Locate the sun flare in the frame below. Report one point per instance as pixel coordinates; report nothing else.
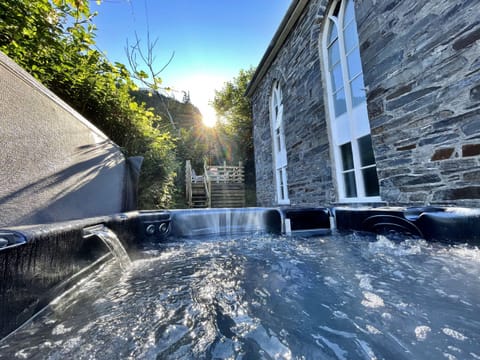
(202, 91)
(209, 116)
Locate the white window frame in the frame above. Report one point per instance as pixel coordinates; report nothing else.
(343, 128)
(279, 151)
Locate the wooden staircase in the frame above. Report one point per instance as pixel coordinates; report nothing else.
(199, 196)
(228, 195)
(220, 186)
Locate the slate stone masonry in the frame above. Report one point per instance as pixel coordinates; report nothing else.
(309, 172)
(421, 63)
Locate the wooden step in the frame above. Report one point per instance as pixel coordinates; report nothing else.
(222, 195)
(228, 195)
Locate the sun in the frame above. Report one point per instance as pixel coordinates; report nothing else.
(209, 117)
(201, 87)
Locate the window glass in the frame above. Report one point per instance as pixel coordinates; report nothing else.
(282, 191)
(350, 36)
(350, 184)
(333, 32)
(347, 156)
(339, 102)
(366, 150)
(370, 181)
(349, 12)
(354, 64)
(337, 78)
(349, 116)
(358, 91)
(279, 143)
(333, 54)
(277, 97)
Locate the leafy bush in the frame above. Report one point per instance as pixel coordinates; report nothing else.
(235, 111)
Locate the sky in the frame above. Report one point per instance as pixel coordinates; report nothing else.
(211, 39)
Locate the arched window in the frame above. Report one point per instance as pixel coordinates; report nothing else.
(278, 139)
(349, 125)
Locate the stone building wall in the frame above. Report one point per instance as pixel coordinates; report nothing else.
(297, 67)
(421, 62)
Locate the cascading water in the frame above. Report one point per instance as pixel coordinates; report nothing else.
(111, 241)
(187, 223)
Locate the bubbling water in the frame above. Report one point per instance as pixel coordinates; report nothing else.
(338, 297)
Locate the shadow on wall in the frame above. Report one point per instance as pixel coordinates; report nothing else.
(70, 190)
(54, 164)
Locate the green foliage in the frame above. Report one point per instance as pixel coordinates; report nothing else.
(54, 40)
(235, 112)
(193, 138)
(185, 114)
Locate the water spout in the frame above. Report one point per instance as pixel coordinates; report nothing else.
(111, 241)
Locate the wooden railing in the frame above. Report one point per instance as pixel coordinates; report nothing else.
(225, 181)
(208, 184)
(225, 174)
(188, 183)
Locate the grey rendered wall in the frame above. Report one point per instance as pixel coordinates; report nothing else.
(54, 165)
(421, 62)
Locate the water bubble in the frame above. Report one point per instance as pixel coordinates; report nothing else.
(454, 334)
(421, 332)
(373, 330)
(60, 329)
(372, 300)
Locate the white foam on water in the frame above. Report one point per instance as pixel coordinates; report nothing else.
(382, 243)
(453, 348)
(463, 252)
(449, 356)
(340, 314)
(454, 334)
(364, 281)
(421, 332)
(372, 300)
(373, 330)
(385, 246)
(24, 353)
(60, 329)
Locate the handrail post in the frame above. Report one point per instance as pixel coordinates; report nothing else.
(188, 183)
(225, 173)
(207, 184)
(241, 173)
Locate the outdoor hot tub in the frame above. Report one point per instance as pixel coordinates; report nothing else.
(266, 283)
